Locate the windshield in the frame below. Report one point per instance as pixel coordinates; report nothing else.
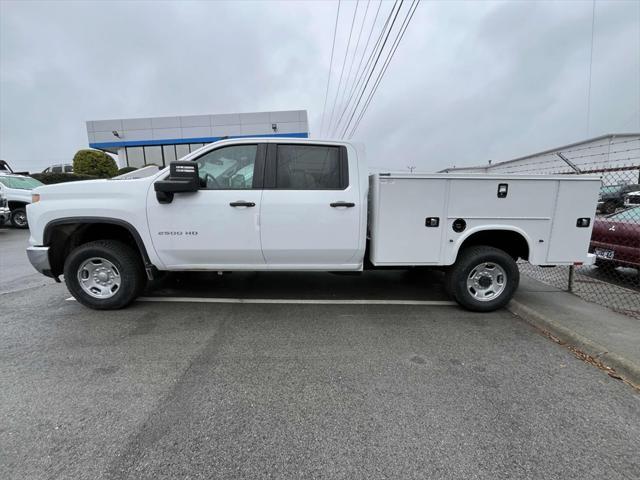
(631, 215)
(22, 183)
(610, 189)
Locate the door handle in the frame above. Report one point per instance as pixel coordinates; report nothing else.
(242, 203)
(342, 204)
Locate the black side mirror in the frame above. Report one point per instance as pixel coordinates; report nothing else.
(183, 177)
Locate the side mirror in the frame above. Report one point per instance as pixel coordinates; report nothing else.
(183, 177)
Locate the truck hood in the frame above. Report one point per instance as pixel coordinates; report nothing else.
(18, 194)
(103, 188)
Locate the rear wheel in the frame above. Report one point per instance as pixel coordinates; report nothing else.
(19, 218)
(104, 275)
(483, 279)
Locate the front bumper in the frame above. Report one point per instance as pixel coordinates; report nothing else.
(39, 258)
(4, 215)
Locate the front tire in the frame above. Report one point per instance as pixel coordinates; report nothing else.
(483, 279)
(19, 218)
(104, 275)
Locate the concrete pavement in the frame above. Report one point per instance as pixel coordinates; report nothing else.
(306, 391)
(16, 272)
(610, 337)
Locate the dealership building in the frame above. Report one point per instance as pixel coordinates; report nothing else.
(160, 140)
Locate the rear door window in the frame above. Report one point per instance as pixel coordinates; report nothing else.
(310, 167)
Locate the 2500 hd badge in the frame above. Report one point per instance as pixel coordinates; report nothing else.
(178, 233)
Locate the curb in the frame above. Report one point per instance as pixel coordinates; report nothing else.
(624, 367)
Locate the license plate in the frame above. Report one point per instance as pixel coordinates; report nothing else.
(604, 253)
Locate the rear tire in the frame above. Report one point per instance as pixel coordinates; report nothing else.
(104, 275)
(483, 279)
(19, 218)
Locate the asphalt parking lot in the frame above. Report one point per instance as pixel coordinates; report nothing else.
(234, 389)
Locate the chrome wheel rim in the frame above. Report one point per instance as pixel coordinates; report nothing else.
(99, 278)
(486, 281)
(20, 219)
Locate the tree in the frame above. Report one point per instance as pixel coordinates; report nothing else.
(94, 162)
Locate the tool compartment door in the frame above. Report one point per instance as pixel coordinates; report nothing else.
(399, 233)
(576, 199)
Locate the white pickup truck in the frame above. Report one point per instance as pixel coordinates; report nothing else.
(290, 204)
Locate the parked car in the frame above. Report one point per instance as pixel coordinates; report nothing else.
(5, 167)
(632, 198)
(612, 197)
(59, 168)
(17, 191)
(4, 210)
(305, 205)
(616, 239)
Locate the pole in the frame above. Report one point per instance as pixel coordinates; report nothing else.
(571, 277)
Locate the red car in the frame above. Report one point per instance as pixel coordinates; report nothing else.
(616, 239)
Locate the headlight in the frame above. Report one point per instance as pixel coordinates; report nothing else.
(35, 197)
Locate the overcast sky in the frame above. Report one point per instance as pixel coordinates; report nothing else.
(471, 81)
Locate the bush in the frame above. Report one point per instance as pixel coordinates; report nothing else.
(94, 162)
(51, 178)
(124, 170)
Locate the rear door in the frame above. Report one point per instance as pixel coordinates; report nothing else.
(310, 214)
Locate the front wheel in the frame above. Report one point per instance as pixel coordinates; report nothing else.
(104, 275)
(19, 218)
(483, 279)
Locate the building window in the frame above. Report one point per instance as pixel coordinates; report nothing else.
(182, 150)
(169, 152)
(135, 157)
(153, 155)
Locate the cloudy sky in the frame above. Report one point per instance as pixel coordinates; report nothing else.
(470, 81)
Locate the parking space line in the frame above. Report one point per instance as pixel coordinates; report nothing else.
(442, 303)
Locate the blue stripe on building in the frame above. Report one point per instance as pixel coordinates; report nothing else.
(182, 141)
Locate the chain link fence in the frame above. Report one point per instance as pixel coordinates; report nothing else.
(614, 281)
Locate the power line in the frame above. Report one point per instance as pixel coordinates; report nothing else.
(326, 93)
(366, 46)
(355, 51)
(361, 74)
(344, 61)
(593, 24)
(403, 29)
(375, 63)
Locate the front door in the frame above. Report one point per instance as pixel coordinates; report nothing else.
(310, 216)
(217, 226)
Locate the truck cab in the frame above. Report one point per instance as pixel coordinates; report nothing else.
(265, 206)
